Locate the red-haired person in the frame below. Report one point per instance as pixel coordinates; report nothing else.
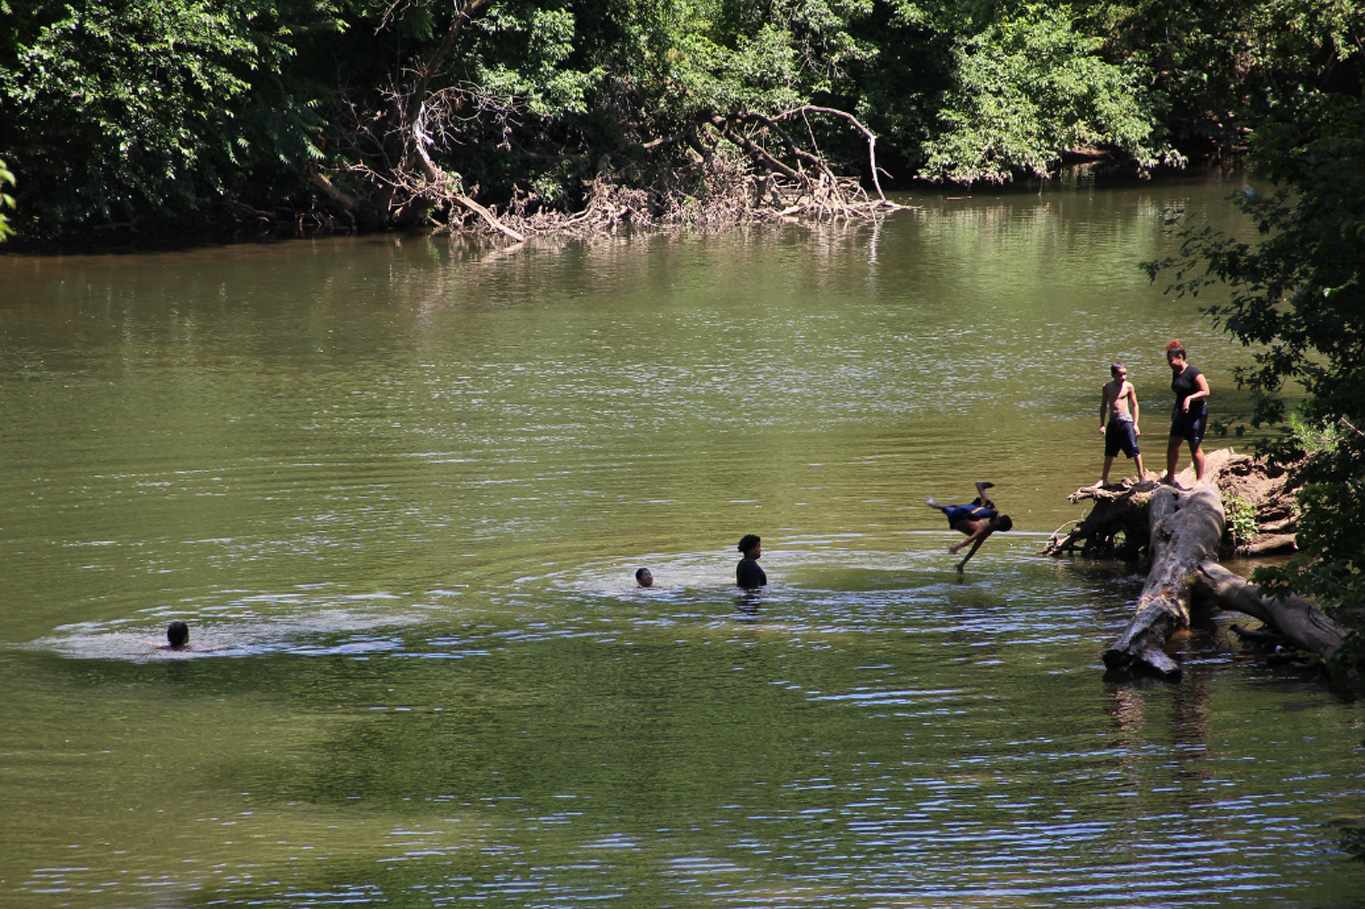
(1190, 416)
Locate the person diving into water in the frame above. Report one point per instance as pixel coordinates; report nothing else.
(978, 520)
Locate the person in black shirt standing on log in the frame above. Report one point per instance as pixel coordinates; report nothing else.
(1190, 416)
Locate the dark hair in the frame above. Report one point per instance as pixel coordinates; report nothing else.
(749, 541)
(1114, 369)
(1004, 524)
(177, 633)
(639, 572)
(1175, 349)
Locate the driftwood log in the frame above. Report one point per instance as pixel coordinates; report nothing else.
(1182, 531)
(1294, 620)
(1186, 528)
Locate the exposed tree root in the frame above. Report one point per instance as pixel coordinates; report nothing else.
(1117, 525)
(739, 168)
(1115, 528)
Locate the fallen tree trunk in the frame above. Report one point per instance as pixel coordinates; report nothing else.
(1186, 528)
(1292, 619)
(1268, 544)
(1184, 532)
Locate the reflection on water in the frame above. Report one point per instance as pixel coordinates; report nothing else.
(399, 489)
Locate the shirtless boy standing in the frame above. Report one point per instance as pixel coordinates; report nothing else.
(1119, 405)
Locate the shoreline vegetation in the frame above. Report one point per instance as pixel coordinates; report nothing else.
(738, 194)
(124, 121)
(746, 200)
(742, 199)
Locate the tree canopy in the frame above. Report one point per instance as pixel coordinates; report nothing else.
(391, 112)
(1026, 89)
(119, 108)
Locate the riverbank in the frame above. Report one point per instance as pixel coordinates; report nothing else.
(744, 201)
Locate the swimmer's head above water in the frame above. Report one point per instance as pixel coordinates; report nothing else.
(177, 635)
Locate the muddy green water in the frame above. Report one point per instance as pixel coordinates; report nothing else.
(398, 489)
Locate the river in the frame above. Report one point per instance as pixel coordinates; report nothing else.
(398, 488)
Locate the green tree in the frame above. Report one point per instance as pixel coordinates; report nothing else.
(1224, 65)
(1029, 87)
(116, 109)
(1298, 294)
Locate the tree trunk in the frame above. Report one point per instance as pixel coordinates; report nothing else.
(1186, 528)
(1181, 532)
(1295, 620)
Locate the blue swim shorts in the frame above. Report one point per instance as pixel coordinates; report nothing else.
(971, 512)
(1121, 435)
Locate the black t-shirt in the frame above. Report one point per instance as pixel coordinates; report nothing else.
(748, 574)
(1185, 385)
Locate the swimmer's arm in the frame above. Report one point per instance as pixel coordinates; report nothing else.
(1132, 402)
(968, 557)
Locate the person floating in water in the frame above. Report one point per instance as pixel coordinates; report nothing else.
(1119, 406)
(747, 573)
(177, 636)
(644, 577)
(978, 521)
